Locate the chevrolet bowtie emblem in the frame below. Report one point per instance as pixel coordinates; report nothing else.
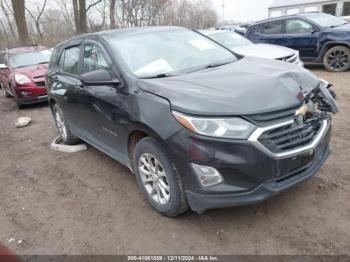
(302, 111)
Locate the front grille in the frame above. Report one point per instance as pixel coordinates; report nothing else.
(290, 59)
(291, 136)
(41, 83)
(270, 118)
(37, 77)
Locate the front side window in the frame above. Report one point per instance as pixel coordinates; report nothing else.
(298, 26)
(93, 59)
(168, 52)
(273, 28)
(69, 60)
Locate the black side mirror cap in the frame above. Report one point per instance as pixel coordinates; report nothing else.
(99, 77)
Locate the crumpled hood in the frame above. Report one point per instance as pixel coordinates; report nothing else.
(264, 51)
(32, 71)
(248, 86)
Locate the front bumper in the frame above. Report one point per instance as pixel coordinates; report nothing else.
(30, 95)
(250, 174)
(202, 202)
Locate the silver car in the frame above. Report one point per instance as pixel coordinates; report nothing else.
(244, 47)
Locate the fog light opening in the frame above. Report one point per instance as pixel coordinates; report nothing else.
(207, 176)
(24, 93)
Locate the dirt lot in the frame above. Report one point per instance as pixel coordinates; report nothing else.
(86, 203)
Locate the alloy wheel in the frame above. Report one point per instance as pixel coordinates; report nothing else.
(154, 178)
(338, 60)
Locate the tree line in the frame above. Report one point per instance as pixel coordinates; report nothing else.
(25, 22)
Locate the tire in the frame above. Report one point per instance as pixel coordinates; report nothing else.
(62, 127)
(337, 59)
(4, 92)
(163, 189)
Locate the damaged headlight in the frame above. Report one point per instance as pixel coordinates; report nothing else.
(323, 97)
(233, 127)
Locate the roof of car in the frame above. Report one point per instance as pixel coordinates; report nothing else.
(280, 17)
(25, 49)
(285, 3)
(124, 31)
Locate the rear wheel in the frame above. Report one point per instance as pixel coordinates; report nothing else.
(158, 178)
(337, 59)
(62, 126)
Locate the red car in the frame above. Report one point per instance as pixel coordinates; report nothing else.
(22, 73)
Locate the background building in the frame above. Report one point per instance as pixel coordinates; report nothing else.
(290, 7)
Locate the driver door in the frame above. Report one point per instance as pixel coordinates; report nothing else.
(100, 104)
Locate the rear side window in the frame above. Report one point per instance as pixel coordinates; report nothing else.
(69, 60)
(273, 28)
(298, 26)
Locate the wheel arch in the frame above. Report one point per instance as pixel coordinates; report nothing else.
(138, 132)
(332, 44)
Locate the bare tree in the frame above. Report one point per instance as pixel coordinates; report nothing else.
(98, 19)
(112, 24)
(7, 11)
(36, 19)
(20, 18)
(80, 17)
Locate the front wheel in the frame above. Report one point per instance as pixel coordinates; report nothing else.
(337, 59)
(158, 178)
(4, 92)
(62, 126)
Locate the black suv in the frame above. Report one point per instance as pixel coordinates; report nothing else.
(319, 37)
(199, 127)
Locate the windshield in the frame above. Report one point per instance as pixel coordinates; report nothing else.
(30, 58)
(169, 52)
(325, 20)
(230, 40)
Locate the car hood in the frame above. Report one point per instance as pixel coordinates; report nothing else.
(247, 86)
(345, 27)
(32, 71)
(264, 51)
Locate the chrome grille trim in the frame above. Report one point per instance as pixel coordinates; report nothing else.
(254, 138)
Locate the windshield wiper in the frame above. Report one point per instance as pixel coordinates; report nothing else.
(213, 65)
(162, 75)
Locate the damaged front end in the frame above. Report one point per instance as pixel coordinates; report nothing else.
(317, 104)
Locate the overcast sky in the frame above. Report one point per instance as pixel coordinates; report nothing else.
(243, 10)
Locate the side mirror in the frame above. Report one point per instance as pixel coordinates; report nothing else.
(3, 66)
(98, 77)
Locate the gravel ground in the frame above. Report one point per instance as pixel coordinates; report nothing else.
(87, 203)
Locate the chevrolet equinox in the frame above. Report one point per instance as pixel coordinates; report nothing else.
(199, 127)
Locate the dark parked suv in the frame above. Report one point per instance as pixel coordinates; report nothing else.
(199, 127)
(319, 37)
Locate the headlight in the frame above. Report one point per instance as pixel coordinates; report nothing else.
(22, 79)
(233, 127)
